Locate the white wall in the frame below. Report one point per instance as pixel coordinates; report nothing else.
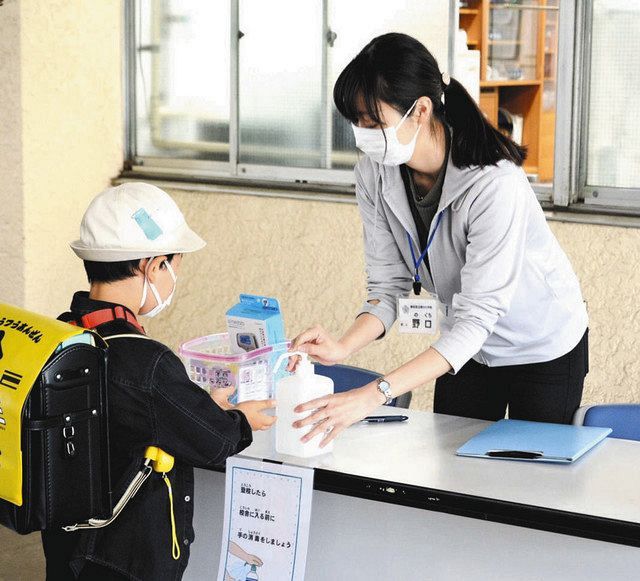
(11, 204)
(60, 138)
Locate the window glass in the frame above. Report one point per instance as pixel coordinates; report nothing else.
(182, 79)
(613, 142)
(280, 64)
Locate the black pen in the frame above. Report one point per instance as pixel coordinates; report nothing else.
(384, 419)
(525, 455)
(515, 454)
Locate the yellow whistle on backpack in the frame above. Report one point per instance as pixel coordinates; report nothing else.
(160, 460)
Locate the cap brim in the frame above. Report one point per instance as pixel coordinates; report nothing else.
(184, 241)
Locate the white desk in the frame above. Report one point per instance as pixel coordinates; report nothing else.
(394, 502)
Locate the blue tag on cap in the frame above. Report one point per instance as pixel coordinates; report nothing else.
(147, 224)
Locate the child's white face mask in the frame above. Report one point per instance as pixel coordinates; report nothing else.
(371, 141)
(160, 304)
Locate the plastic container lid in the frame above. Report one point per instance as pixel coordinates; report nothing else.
(194, 349)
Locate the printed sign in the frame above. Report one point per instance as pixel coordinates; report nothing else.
(266, 523)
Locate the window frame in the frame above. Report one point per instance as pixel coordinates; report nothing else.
(598, 197)
(564, 186)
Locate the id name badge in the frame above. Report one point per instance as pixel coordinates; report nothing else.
(417, 315)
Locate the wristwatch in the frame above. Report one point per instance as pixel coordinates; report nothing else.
(384, 387)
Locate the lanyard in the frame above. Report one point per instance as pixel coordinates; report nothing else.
(417, 285)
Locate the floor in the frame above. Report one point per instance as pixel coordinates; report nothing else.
(20, 557)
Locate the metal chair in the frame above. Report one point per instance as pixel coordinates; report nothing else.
(346, 377)
(622, 418)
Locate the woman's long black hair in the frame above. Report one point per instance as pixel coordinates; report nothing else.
(397, 69)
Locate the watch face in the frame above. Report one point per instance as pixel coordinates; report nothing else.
(385, 387)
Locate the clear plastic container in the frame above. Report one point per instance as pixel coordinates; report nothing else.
(210, 364)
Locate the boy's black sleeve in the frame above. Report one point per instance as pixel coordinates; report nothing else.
(189, 424)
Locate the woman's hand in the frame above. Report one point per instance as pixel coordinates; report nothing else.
(320, 345)
(254, 412)
(335, 413)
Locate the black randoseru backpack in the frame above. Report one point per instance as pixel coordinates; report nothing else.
(53, 390)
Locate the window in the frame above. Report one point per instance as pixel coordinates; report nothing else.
(514, 46)
(611, 175)
(182, 111)
(241, 90)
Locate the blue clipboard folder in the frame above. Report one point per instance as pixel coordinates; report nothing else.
(533, 441)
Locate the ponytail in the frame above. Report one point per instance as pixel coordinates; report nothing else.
(475, 140)
(397, 69)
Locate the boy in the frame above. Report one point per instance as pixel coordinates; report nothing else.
(132, 239)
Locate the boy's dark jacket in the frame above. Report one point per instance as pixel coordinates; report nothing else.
(152, 401)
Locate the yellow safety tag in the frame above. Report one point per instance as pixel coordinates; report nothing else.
(175, 545)
(27, 341)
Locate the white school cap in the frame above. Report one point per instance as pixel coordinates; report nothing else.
(134, 220)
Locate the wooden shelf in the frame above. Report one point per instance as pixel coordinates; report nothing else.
(522, 97)
(508, 83)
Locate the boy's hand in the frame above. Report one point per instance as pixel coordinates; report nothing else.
(221, 396)
(254, 412)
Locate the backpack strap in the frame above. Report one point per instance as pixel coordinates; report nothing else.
(97, 318)
(126, 336)
(155, 460)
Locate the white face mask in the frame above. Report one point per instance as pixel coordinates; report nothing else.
(371, 141)
(160, 305)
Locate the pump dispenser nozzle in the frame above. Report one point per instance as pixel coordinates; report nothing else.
(305, 367)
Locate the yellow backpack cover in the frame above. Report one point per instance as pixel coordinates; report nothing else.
(53, 422)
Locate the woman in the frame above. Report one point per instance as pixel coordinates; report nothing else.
(446, 206)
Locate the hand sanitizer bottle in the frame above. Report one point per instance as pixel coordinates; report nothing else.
(253, 574)
(299, 387)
